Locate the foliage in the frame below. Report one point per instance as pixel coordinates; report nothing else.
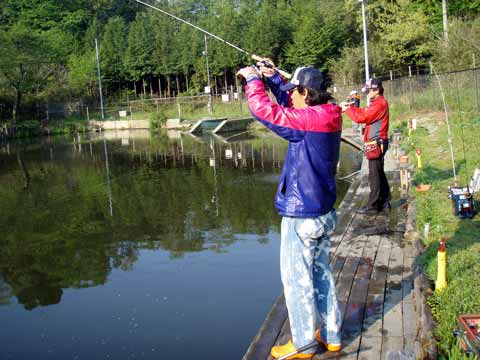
(148, 52)
(82, 76)
(157, 119)
(462, 294)
(462, 50)
(113, 48)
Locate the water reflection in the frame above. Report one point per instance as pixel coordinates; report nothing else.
(75, 210)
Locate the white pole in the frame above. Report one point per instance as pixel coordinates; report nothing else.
(365, 46)
(365, 41)
(445, 22)
(209, 105)
(99, 80)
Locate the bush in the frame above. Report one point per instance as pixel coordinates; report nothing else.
(157, 119)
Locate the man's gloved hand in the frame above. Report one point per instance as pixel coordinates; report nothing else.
(265, 70)
(248, 73)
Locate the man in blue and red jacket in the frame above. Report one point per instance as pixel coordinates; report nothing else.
(376, 117)
(305, 198)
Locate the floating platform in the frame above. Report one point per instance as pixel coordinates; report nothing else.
(206, 124)
(221, 125)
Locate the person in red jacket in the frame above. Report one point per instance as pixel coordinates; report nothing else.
(376, 118)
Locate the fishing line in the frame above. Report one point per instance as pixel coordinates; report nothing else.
(349, 175)
(253, 56)
(448, 124)
(195, 26)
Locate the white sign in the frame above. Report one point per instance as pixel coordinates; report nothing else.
(124, 142)
(122, 113)
(235, 95)
(207, 89)
(225, 98)
(228, 153)
(414, 124)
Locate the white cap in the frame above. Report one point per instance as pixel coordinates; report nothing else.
(353, 92)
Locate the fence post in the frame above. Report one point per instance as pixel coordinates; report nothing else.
(239, 92)
(458, 92)
(88, 115)
(476, 88)
(432, 84)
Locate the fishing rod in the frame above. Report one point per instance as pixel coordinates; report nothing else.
(253, 56)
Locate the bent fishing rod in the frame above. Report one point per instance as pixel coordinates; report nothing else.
(253, 56)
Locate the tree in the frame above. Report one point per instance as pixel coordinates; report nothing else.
(162, 51)
(113, 48)
(83, 73)
(266, 28)
(27, 62)
(318, 36)
(462, 48)
(403, 35)
(139, 55)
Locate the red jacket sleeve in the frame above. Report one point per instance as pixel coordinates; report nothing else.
(374, 112)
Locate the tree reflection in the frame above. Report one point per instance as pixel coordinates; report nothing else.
(60, 233)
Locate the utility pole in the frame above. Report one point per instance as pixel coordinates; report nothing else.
(365, 41)
(365, 45)
(209, 105)
(445, 22)
(99, 80)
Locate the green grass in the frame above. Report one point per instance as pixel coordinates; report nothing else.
(462, 294)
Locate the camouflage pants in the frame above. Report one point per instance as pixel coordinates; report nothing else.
(307, 278)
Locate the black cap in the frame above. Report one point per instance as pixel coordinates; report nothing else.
(308, 77)
(372, 84)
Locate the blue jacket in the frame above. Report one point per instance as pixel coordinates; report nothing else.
(307, 184)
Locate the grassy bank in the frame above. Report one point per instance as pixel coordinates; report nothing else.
(462, 294)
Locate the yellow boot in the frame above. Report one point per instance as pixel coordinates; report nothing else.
(281, 350)
(329, 347)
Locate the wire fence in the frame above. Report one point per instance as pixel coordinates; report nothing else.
(182, 107)
(422, 91)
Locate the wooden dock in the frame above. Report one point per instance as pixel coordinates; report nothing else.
(373, 268)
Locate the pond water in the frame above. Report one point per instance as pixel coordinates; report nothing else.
(132, 245)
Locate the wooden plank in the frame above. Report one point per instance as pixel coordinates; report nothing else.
(370, 348)
(269, 332)
(347, 275)
(392, 307)
(409, 325)
(341, 243)
(285, 335)
(407, 281)
(391, 345)
(373, 319)
(353, 221)
(344, 250)
(349, 351)
(410, 316)
(356, 309)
